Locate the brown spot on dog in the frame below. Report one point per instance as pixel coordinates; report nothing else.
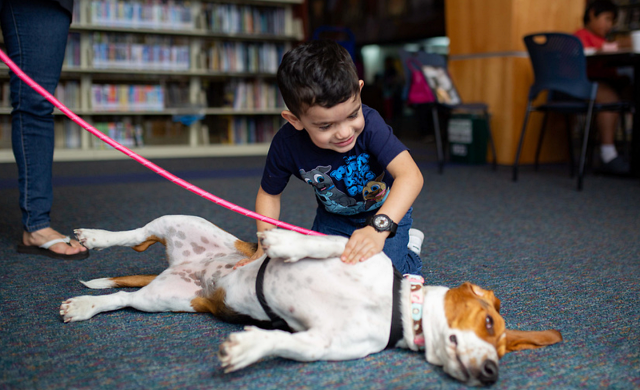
(133, 281)
(246, 248)
(148, 242)
(204, 240)
(186, 253)
(197, 249)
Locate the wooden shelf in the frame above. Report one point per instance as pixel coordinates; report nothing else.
(151, 152)
(186, 33)
(219, 111)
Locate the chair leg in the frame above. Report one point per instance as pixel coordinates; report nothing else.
(585, 142)
(524, 128)
(494, 165)
(572, 160)
(540, 138)
(436, 124)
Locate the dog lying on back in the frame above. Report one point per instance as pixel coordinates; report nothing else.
(336, 311)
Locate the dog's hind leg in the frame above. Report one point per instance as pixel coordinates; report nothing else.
(167, 292)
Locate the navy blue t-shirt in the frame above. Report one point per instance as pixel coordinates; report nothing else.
(344, 183)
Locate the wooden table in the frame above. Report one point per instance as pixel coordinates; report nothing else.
(626, 58)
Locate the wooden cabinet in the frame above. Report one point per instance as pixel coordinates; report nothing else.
(489, 62)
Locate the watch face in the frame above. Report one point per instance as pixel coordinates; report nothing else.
(381, 222)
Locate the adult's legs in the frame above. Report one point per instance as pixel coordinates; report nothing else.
(35, 33)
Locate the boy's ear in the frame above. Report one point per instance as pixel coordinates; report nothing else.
(361, 82)
(289, 117)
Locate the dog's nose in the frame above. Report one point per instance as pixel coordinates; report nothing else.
(488, 373)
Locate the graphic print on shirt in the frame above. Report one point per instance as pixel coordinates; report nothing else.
(358, 179)
(375, 193)
(326, 191)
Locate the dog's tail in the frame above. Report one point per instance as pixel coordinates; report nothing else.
(121, 281)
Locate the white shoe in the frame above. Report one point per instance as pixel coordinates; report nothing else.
(415, 241)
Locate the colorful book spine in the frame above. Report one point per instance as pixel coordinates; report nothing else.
(109, 97)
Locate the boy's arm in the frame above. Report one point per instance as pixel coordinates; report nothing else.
(407, 185)
(269, 206)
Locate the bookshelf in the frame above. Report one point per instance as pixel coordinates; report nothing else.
(170, 78)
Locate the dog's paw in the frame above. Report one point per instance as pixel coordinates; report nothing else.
(91, 238)
(243, 348)
(283, 244)
(78, 308)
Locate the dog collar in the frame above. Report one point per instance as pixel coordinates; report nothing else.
(417, 300)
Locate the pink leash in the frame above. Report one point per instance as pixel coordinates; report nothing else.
(171, 177)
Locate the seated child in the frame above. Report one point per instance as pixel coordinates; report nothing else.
(363, 177)
(599, 18)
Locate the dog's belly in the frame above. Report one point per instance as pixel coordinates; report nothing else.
(319, 294)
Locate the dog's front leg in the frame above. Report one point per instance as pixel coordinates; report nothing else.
(244, 348)
(292, 246)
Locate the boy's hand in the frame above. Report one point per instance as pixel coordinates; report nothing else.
(363, 244)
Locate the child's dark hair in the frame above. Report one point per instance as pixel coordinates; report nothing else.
(319, 72)
(598, 7)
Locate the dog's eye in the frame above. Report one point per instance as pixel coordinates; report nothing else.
(453, 339)
(488, 323)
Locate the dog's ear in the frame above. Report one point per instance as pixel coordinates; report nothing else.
(486, 295)
(517, 340)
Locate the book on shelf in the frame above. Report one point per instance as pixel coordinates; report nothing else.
(129, 51)
(250, 130)
(245, 19)
(124, 132)
(72, 52)
(245, 57)
(151, 14)
(68, 93)
(109, 97)
(5, 99)
(67, 134)
(5, 132)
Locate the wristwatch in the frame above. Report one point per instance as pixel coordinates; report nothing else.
(382, 223)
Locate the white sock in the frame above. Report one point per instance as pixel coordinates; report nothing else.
(415, 241)
(608, 152)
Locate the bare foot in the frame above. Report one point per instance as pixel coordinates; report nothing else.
(42, 236)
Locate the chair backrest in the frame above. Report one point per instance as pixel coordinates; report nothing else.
(424, 58)
(558, 64)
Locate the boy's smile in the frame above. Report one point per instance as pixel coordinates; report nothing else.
(336, 128)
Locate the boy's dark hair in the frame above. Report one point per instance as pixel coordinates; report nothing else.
(319, 72)
(598, 7)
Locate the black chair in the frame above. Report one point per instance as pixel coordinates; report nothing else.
(560, 67)
(439, 61)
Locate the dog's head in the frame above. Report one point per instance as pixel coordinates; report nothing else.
(465, 334)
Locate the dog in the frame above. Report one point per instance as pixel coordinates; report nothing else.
(336, 311)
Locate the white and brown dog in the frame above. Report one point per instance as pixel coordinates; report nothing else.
(336, 311)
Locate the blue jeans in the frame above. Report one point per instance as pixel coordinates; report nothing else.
(35, 34)
(405, 260)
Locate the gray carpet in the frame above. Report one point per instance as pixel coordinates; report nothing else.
(555, 257)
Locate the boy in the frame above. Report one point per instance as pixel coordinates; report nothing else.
(347, 153)
(599, 18)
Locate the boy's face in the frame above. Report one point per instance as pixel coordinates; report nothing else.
(601, 24)
(335, 128)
